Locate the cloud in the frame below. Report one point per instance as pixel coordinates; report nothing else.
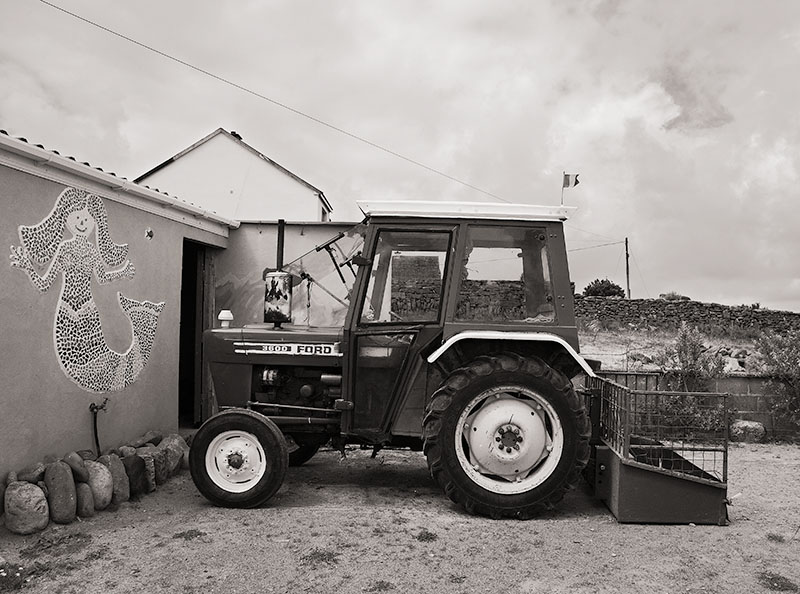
(679, 116)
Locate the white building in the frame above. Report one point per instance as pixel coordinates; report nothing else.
(223, 174)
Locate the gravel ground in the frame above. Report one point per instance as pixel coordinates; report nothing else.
(381, 525)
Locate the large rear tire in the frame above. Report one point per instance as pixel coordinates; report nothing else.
(506, 436)
(238, 458)
(303, 447)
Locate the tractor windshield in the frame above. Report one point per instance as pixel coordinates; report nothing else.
(323, 278)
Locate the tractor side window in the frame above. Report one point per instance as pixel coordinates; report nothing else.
(405, 282)
(506, 276)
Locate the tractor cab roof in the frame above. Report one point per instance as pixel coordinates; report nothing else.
(464, 210)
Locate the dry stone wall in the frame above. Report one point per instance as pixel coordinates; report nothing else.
(660, 313)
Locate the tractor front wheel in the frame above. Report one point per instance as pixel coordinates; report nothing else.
(238, 458)
(506, 436)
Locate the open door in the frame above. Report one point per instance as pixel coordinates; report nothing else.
(196, 316)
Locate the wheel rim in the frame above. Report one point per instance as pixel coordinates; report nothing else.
(235, 461)
(509, 440)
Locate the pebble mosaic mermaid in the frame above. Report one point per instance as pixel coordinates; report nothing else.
(80, 345)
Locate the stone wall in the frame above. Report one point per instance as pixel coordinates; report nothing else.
(660, 313)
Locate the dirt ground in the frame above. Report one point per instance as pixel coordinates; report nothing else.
(382, 525)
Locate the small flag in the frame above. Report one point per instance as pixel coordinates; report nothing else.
(570, 180)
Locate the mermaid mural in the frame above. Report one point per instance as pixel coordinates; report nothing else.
(80, 345)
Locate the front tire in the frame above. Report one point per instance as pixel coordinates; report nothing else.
(238, 458)
(506, 436)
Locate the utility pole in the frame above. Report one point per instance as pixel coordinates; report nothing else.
(627, 268)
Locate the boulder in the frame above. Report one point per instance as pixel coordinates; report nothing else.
(747, 431)
(75, 462)
(85, 500)
(31, 474)
(26, 508)
(11, 478)
(122, 489)
(87, 454)
(61, 496)
(101, 483)
(136, 470)
(49, 459)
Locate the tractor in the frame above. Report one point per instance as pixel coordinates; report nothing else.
(442, 327)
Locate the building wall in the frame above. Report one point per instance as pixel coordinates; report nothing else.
(224, 177)
(42, 410)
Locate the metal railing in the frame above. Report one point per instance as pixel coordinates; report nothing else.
(681, 433)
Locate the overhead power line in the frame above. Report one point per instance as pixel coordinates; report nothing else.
(591, 247)
(275, 102)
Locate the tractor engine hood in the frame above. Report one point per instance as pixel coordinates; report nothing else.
(264, 340)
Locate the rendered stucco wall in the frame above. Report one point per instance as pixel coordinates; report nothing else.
(221, 176)
(42, 410)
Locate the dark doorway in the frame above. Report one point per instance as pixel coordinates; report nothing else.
(192, 279)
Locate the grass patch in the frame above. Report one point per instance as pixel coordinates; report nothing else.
(317, 556)
(776, 582)
(189, 534)
(426, 536)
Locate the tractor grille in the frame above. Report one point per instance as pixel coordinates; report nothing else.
(680, 433)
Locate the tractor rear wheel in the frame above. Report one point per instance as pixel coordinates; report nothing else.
(303, 446)
(238, 458)
(506, 436)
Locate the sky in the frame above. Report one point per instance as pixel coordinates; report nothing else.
(682, 118)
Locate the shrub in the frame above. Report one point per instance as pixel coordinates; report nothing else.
(603, 288)
(781, 356)
(687, 364)
(673, 296)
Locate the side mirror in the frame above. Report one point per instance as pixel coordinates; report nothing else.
(360, 260)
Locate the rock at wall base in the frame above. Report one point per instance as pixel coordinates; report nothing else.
(126, 451)
(61, 496)
(747, 431)
(101, 483)
(159, 457)
(153, 437)
(136, 469)
(75, 462)
(85, 500)
(31, 474)
(175, 448)
(26, 508)
(87, 454)
(122, 490)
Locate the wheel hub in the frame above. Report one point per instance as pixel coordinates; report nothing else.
(235, 461)
(506, 437)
